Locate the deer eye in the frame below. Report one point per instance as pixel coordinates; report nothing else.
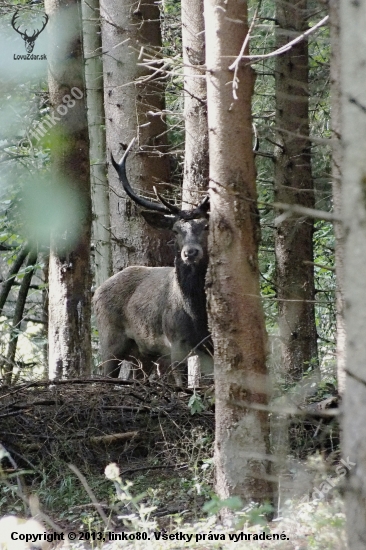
(206, 227)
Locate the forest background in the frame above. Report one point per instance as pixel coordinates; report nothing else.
(154, 87)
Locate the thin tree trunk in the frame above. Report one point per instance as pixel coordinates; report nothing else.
(18, 314)
(134, 102)
(10, 277)
(45, 307)
(196, 158)
(92, 44)
(335, 69)
(234, 305)
(294, 185)
(353, 94)
(69, 272)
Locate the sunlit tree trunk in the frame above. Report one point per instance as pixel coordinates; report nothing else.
(335, 68)
(234, 305)
(196, 161)
(294, 185)
(92, 44)
(134, 101)
(69, 271)
(353, 94)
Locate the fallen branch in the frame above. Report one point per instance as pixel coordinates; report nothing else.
(27, 405)
(163, 466)
(144, 408)
(71, 381)
(322, 266)
(112, 438)
(98, 507)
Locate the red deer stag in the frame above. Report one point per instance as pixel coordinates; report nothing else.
(158, 313)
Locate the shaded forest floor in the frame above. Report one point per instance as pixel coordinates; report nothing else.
(163, 452)
(147, 429)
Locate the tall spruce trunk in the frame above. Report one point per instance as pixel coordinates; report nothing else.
(234, 306)
(353, 97)
(294, 185)
(92, 45)
(69, 270)
(133, 107)
(196, 158)
(335, 69)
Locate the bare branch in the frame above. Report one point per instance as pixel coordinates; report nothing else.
(297, 210)
(284, 48)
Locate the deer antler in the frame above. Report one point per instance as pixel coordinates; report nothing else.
(44, 24)
(13, 21)
(24, 34)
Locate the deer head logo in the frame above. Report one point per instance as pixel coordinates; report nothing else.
(29, 41)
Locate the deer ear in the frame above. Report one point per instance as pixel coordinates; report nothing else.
(156, 219)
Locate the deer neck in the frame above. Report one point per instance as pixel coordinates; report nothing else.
(191, 282)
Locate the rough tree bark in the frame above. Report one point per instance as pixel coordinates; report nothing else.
(335, 68)
(234, 305)
(133, 107)
(294, 185)
(92, 44)
(196, 158)
(353, 101)
(69, 271)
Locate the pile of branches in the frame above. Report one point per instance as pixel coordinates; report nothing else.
(91, 422)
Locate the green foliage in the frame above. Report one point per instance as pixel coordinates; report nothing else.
(136, 515)
(262, 42)
(196, 404)
(252, 514)
(21, 159)
(215, 505)
(50, 206)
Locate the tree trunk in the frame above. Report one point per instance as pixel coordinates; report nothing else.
(196, 159)
(133, 106)
(234, 306)
(45, 308)
(18, 314)
(294, 185)
(353, 94)
(10, 277)
(92, 44)
(69, 272)
(335, 68)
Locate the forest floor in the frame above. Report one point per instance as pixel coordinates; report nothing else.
(57, 440)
